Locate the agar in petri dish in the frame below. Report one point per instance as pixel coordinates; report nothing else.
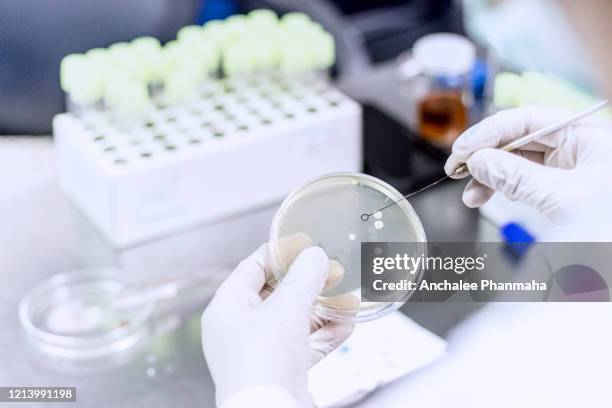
(328, 212)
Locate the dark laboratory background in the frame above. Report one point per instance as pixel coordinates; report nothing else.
(36, 35)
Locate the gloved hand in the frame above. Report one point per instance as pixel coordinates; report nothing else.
(562, 174)
(259, 342)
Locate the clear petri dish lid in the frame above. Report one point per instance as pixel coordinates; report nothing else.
(70, 315)
(327, 212)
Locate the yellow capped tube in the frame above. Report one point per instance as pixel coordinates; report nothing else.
(238, 59)
(148, 52)
(126, 94)
(262, 18)
(80, 80)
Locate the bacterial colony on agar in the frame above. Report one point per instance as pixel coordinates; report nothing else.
(329, 211)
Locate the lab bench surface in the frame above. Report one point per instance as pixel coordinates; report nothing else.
(42, 235)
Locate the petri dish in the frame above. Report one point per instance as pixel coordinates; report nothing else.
(69, 316)
(327, 212)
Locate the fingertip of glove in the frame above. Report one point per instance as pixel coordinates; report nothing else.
(449, 166)
(452, 164)
(465, 136)
(305, 279)
(479, 160)
(476, 194)
(316, 258)
(335, 274)
(460, 152)
(469, 199)
(317, 254)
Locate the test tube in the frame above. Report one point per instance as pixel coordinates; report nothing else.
(262, 17)
(148, 52)
(125, 95)
(214, 34)
(123, 56)
(236, 26)
(128, 78)
(197, 46)
(238, 58)
(317, 50)
(84, 85)
(185, 68)
(295, 21)
(215, 29)
(324, 44)
(292, 59)
(506, 90)
(266, 31)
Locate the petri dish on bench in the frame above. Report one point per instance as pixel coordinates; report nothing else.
(69, 315)
(327, 212)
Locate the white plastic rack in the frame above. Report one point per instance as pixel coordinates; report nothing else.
(241, 143)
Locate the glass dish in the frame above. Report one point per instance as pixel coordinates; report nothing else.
(327, 212)
(68, 315)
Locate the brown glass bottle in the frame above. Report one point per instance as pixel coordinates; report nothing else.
(442, 116)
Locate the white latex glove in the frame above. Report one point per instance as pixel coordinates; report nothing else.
(259, 343)
(564, 175)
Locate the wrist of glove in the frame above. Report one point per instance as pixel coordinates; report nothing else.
(561, 174)
(255, 335)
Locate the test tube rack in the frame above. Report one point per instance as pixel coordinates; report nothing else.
(242, 143)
